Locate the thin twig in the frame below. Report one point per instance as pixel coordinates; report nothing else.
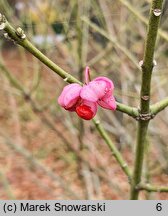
(36, 108)
(152, 188)
(159, 106)
(147, 69)
(70, 79)
(114, 150)
(39, 55)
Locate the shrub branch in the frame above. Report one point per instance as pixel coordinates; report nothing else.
(147, 69)
(152, 188)
(24, 42)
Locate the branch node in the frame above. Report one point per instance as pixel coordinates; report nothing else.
(97, 122)
(157, 12)
(2, 21)
(145, 116)
(154, 62)
(66, 79)
(124, 165)
(6, 35)
(145, 97)
(141, 63)
(20, 33)
(152, 116)
(2, 26)
(2, 18)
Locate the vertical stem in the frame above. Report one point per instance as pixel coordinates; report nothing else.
(148, 194)
(147, 68)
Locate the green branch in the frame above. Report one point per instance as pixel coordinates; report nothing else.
(131, 111)
(147, 68)
(13, 34)
(112, 147)
(159, 106)
(152, 188)
(66, 76)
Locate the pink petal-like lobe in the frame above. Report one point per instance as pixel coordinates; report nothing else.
(85, 100)
(87, 93)
(70, 96)
(108, 103)
(109, 85)
(99, 88)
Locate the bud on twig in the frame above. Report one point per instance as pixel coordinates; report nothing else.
(2, 21)
(20, 33)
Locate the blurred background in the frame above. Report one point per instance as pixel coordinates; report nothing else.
(49, 153)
